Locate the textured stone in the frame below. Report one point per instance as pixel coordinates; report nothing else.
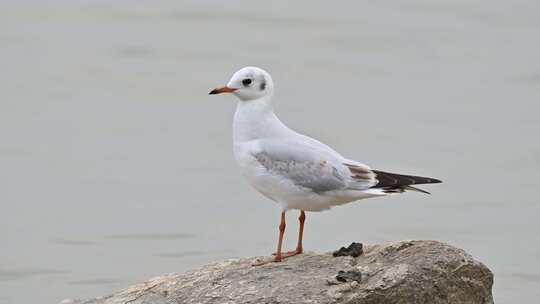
(354, 250)
(404, 272)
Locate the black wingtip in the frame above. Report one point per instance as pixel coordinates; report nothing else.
(393, 180)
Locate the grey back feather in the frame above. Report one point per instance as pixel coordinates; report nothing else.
(317, 176)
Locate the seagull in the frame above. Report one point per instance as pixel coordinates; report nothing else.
(294, 170)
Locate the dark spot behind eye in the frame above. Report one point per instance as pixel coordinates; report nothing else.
(263, 85)
(246, 82)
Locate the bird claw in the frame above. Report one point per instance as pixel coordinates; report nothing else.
(276, 258)
(289, 253)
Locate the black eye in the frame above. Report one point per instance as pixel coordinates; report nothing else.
(246, 82)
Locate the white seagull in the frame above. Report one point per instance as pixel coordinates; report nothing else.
(294, 170)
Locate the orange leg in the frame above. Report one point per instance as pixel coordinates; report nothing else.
(282, 226)
(279, 256)
(302, 220)
(299, 248)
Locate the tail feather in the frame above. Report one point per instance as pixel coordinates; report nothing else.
(392, 182)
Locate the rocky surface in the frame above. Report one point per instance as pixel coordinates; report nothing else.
(403, 272)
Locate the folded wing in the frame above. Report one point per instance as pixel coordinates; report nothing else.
(310, 165)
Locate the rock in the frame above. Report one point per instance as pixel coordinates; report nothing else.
(354, 250)
(349, 275)
(404, 272)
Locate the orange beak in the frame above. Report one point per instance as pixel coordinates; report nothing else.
(222, 90)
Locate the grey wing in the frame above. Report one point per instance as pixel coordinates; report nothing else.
(316, 176)
(305, 165)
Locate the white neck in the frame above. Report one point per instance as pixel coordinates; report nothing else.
(255, 119)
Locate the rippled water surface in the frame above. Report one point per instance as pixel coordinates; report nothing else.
(117, 166)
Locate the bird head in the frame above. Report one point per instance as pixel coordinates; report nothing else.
(247, 84)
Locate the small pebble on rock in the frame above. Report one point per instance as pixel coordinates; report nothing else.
(351, 275)
(354, 250)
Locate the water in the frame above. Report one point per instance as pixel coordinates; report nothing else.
(117, 166)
